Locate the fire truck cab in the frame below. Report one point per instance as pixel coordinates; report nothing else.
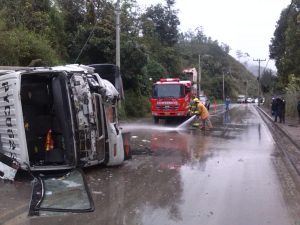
(170, 98)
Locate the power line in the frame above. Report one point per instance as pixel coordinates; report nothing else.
(266, 66)
(88, 39)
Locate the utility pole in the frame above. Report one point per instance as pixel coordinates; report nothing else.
(223, 87)
(259, 60)
(118, 11)
(199, 78)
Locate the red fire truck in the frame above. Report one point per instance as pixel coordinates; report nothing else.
(170, 98)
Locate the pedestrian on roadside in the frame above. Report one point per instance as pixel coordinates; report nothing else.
(283, 111)
(298, 109)
(227, 103)
(203, 114)
(280, 109)
(207, 103)
(275, 109)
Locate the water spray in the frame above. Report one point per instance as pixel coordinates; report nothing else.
(133, 127)
(185, 123)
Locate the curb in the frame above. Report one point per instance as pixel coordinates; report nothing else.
(290, 160)
(283, 131)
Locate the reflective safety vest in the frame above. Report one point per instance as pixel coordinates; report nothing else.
(193, 109)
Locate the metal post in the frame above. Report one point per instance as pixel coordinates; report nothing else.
(223, 88)
(259, 60)
(199, 78)
(258, 83)
(118, 11)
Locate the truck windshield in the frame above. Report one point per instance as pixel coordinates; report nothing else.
(168, 91)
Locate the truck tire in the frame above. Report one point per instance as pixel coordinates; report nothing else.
(156, 119)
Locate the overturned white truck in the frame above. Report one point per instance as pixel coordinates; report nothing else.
(57, 118)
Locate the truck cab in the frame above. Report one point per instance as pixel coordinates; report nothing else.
(241, 99)
(58, 118)
(170, 98)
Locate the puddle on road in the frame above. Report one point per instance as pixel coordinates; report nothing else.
(183, 140)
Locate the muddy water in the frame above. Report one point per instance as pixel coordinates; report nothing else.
(187, 176)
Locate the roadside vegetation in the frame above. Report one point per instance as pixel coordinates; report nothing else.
(285, 50)
(52, 32)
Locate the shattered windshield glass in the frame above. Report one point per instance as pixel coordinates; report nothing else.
(65, 193)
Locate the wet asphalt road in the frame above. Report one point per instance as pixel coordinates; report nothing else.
(231, 175)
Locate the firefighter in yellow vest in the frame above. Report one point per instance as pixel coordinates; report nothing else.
(193, 111)
(202, 114)
(192, 106)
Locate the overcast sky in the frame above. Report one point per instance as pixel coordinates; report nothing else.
(246, 25)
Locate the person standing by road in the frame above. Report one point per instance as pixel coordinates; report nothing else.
(280, 109)
(203, 114)
(283, 111)
(207, 103)
(275, 107)
(227, 103)
(298, 109)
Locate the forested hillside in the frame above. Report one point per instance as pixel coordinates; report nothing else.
(51, 32)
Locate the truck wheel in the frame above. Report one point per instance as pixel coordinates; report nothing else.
(155, 118)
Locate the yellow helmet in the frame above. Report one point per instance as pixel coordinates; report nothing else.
(196, 100)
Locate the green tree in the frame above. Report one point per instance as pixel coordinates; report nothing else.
(154, 70)
(162, 22)
(134, 59)
(90, 17)
(74, 14)
(267, 81)
(284, 47)
(20, 46)
(130, 25)
(40, 17)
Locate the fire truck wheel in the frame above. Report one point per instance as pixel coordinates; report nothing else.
(155, 118)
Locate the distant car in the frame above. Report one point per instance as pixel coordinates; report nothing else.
(205, 101)
(249, 100)
(241, 99)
